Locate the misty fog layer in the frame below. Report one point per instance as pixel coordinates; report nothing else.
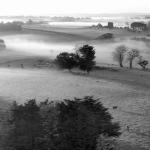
(36, 45)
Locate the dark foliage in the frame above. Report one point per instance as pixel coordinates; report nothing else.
(66, 125)
(11, 26)
(85, 57)
(143, 63)
(66, 60)
(27, 126)
(139, 25)
(81, 121)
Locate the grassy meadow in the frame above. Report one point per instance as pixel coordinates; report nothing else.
(123, 87)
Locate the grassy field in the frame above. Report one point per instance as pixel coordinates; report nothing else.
(126, 88)
(88, 33)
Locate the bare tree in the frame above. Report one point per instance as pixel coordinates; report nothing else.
(142, 63)
(131, 55)
(119, 54)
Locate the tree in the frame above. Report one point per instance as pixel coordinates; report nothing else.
(131, 55)
(66, 60)
(49, 116)
(27, 126)
(5, 129)
(85, 57)
(143, 63)
(81, 121)
(119, 54)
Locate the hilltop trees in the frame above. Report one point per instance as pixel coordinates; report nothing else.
(131, 55)
(119, 54)
(27, 126)
(82, 58)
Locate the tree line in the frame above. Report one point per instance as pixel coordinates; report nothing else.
(122, 53)
(17, 25)
(78, 124)
(11, 26)
(84, 58)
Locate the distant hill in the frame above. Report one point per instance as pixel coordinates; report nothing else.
(88, 15)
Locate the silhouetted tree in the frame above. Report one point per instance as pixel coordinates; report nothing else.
(27, 126)
(81, 121)
(66, 60)
(85, 56)
(119, 54)
(131, 55)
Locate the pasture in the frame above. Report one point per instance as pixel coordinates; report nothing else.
(128, 89)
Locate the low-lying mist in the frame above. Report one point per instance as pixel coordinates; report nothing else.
(36, 46)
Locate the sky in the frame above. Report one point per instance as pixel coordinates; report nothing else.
(36, 7)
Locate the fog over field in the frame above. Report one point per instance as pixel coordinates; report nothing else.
(49, 46)
(116, 116)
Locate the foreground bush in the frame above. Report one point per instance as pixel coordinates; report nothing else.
(66, 125)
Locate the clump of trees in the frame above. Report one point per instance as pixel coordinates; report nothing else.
(67, 124)
(83, 58)
(11, 26)
(66, 60)
(121, 54)
(2, 44)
